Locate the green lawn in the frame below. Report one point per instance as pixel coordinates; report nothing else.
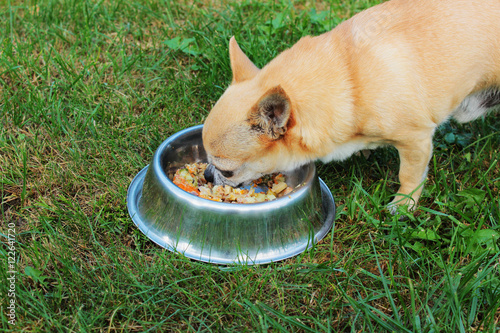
(89, 89)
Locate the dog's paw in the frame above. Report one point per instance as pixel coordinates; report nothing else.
(402, 205)
(392, 208)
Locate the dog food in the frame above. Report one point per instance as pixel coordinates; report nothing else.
(191, 179)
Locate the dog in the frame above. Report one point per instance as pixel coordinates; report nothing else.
(387, 76)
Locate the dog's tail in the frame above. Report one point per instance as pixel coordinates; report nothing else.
(477, 104)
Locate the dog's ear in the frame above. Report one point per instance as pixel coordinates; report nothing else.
(243, 69)
(271, 113)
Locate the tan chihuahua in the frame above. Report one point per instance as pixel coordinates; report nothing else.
(389, 75)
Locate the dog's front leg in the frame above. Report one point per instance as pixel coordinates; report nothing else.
(414, 160)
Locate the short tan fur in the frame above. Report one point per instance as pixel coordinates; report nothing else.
(389, 75)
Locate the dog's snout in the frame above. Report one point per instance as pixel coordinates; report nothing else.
(209, 173)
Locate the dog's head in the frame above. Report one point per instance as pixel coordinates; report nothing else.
(245, 131)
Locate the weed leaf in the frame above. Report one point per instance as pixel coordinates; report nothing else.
(183, 45)
(35, 274)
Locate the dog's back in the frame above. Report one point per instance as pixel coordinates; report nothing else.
(444, 52)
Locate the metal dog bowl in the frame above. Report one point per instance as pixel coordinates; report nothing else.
(226, 233)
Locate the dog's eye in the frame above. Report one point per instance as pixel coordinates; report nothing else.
(226, 173)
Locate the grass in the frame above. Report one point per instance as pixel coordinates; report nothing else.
(89, 89)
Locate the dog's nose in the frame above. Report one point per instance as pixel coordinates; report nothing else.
(209, 173)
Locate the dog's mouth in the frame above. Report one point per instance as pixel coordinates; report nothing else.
(224, 177)
(220, 177)
(209, 173)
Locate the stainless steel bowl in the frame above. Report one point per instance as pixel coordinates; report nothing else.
(226, 233)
